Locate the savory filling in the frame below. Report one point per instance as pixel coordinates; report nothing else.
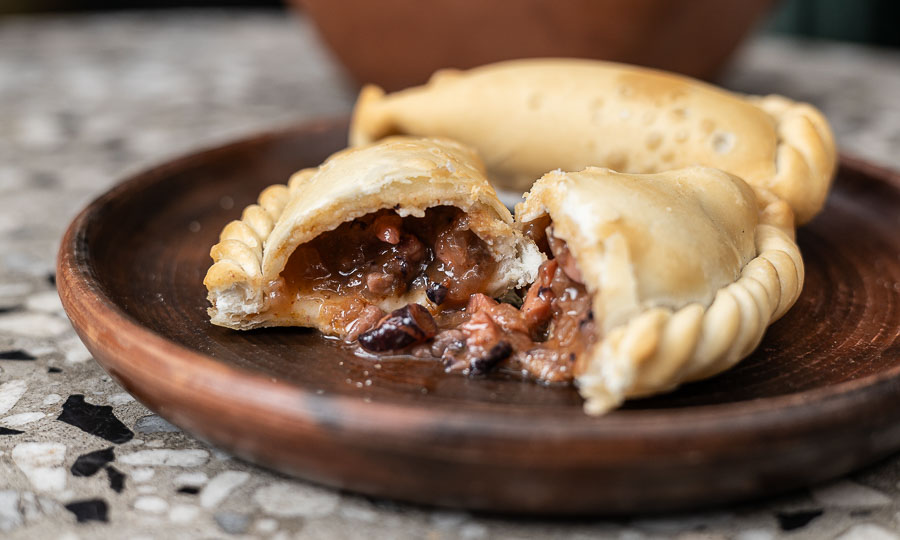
(542, 334)
(381, 255)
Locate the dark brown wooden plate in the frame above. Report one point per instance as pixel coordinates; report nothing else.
(820, 397)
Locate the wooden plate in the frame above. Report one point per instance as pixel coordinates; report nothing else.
(820, 397)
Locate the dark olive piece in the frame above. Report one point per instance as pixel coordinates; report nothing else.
(399, 329)
(436, 292)
(488, 362)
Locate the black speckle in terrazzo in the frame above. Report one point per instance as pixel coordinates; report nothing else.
(189, 490)
(54, 370)
(10, 309)
(88, 510)
(51, 279)
(97, 420)
(789, 521)
(16, 354)
(116, 479)
(7, 431)
(88, 464)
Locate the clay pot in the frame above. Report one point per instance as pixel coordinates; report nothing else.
(399, 43)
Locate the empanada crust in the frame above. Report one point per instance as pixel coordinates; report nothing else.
(527, 117)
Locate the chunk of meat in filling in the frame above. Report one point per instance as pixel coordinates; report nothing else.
(382, 255)
(543, 338)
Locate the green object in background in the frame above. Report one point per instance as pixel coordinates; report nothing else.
(864, 21)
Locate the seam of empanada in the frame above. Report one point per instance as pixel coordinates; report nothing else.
(695, 342)
(234, 280)
(806, 156)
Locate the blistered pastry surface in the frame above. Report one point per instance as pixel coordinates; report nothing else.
(665, 239)
(527, 117)
(404, 173)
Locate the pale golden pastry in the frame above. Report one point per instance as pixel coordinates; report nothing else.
(369, 230)
(527, 117)
(686, 270)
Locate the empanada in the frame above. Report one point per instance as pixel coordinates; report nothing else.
(654, 280)
(527, 117)
(373, 229)
(685, 270)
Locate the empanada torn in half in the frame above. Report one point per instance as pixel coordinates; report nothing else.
(402, 224)
(625, 284)
(653, 280)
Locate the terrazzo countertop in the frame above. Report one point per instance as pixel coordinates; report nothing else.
(86, 100)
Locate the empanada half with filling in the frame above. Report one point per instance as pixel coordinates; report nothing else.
(401, 222)
(684, 271)
(653, 280)
(528, 117)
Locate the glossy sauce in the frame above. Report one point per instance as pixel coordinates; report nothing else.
(382, 255)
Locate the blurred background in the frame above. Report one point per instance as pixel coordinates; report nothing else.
(399, 43)
(695, 37)
(862, 21)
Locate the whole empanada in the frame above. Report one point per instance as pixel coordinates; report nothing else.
(528, 117)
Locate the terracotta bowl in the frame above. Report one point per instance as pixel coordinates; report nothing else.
(399, 43)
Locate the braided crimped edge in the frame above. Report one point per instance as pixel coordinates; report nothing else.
(806, 155)
(662, 348)
(235, 278)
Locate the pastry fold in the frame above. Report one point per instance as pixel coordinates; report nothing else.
(402, 177)
(687, 268)
(528, 117)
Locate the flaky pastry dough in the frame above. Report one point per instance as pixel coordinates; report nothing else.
(408, 175)
(527, 117)
(687, 269)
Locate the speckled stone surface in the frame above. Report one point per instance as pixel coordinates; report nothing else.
(85, 100)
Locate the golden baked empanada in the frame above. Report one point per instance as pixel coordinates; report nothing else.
(685, 270)
(373, 229)
(527, 117)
